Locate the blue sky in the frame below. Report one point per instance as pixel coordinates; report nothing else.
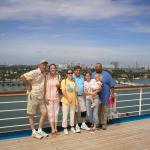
(85, 31)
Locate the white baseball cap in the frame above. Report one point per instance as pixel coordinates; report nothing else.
(43, 61)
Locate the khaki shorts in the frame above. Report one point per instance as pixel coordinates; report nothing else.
(81, 104)
(35, 105)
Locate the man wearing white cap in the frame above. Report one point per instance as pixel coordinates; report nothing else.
(35, 90)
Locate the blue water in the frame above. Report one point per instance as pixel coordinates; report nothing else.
(20, 86)
(141, 81)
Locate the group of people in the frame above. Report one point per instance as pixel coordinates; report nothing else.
(86, 96)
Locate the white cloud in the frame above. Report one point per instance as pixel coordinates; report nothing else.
(138, 27)
(65, 53)
(73, 9)
(142, 28)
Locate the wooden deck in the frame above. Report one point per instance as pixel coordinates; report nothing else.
(125, 136)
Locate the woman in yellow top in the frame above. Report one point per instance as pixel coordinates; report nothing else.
(69, 100)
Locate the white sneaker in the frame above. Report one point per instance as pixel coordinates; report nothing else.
(77, 128)
(37, 135)
(66, 131)
(85, 127)
(73, 130)
(93, 105)
(43, 134)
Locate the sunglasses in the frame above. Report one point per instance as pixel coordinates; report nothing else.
(70, 73)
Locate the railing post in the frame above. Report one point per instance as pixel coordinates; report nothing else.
(140, 101)
(115, 103)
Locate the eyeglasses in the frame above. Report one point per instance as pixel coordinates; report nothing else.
(69, 73)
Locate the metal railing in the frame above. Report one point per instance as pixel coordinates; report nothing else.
(13, 110)
(140, 99)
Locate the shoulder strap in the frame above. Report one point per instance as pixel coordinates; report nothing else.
(65, 82)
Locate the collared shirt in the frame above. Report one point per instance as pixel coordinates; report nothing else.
(52, 93)
(79, 81)
(108, 83)
(37, 79)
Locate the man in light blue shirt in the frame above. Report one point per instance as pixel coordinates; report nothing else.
(79, 81)
(106, 92)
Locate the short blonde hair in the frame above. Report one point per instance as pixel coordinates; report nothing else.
(99, 76)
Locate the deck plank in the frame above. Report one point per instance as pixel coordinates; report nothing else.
(125, 136)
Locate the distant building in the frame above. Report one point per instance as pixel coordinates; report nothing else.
(91, 66)
(137, 65)
(62, 66)
(115, 64)
(147, 68)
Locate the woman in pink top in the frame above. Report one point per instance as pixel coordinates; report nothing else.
(52, 97)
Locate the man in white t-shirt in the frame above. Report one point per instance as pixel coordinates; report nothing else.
(34, 81)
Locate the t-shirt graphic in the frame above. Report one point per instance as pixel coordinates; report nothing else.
(69, 88)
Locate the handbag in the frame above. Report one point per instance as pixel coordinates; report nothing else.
(111, 101)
